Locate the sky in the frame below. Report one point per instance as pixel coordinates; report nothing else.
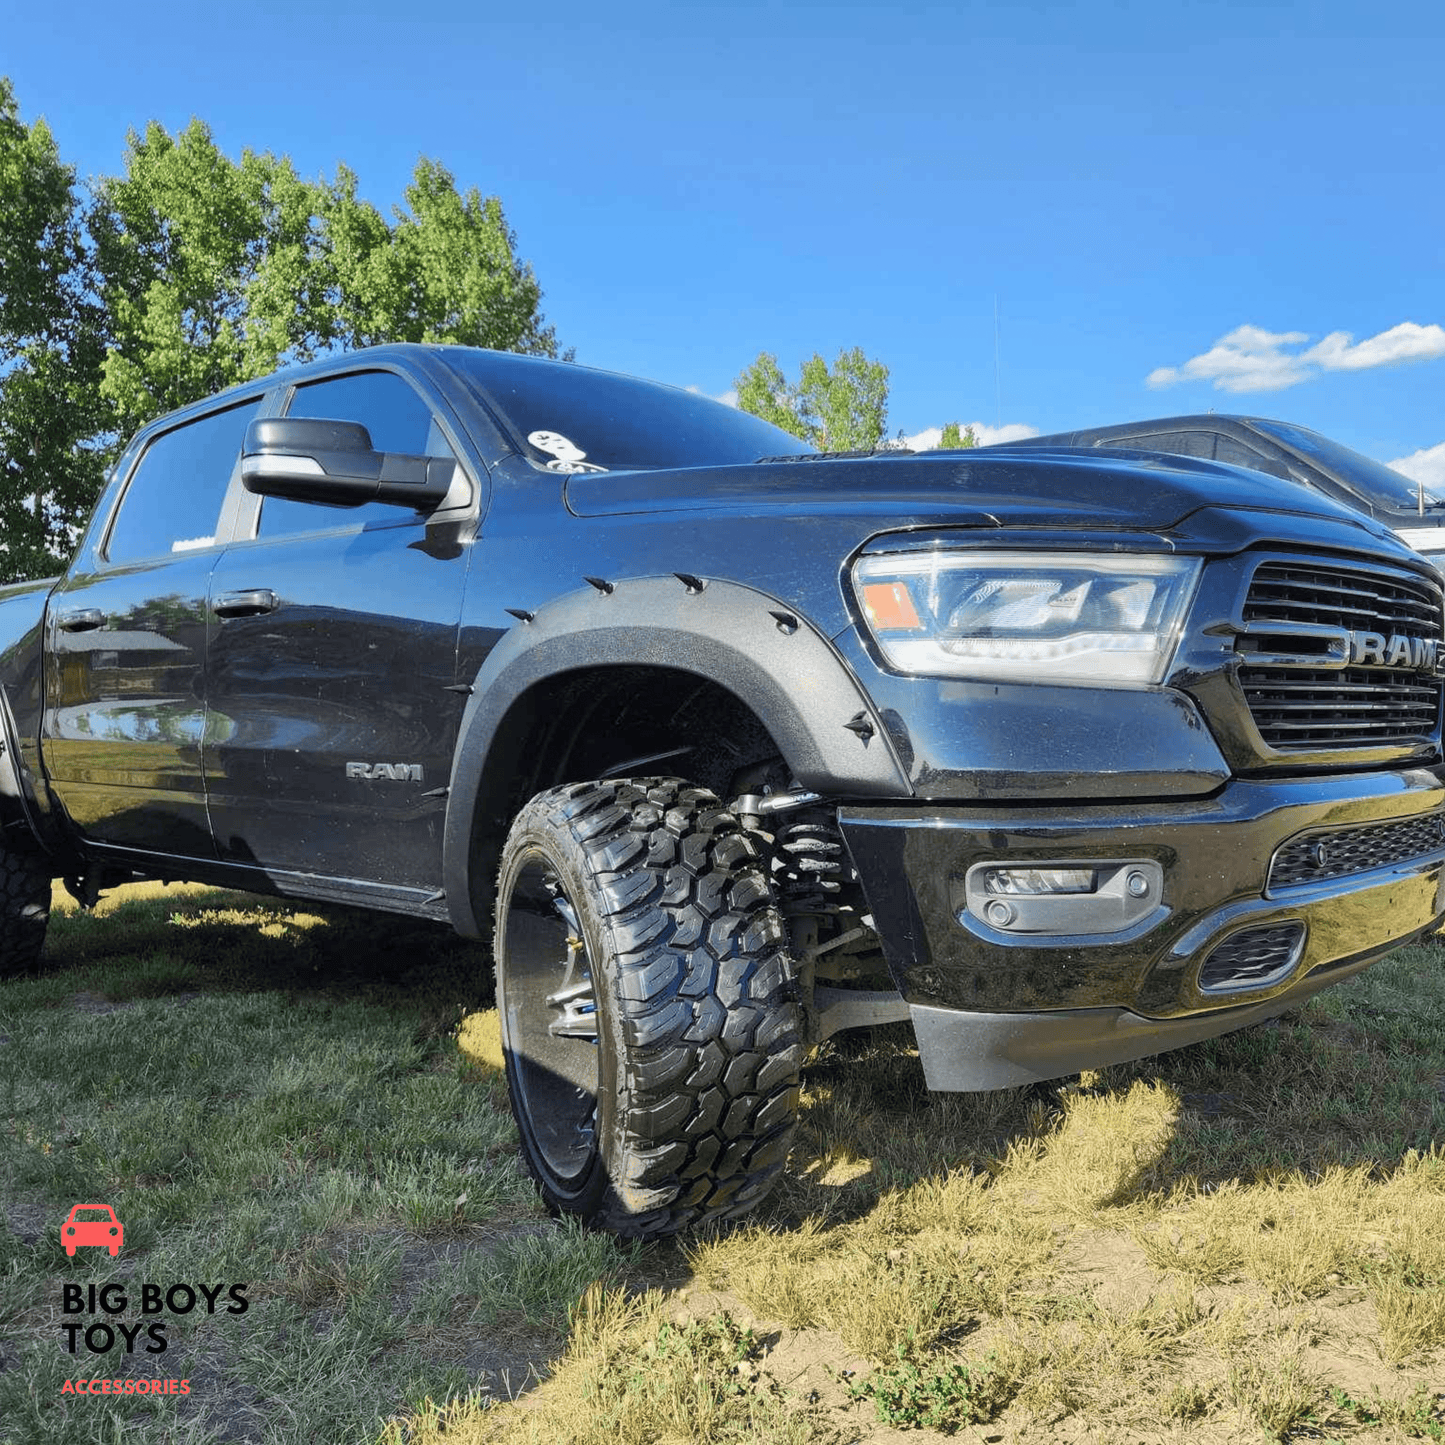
(1039, 216)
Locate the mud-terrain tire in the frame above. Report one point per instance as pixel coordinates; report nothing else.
(24, 909)
(650, 1014)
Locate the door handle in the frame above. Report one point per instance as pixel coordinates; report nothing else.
(245, 604)
(81, 619)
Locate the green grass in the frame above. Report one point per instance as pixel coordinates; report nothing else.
(1244, 1240)
(269, 1097)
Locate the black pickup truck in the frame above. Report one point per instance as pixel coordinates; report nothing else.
(1066, 757)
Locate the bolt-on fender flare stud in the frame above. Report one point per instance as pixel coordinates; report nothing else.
(520, 613)
(693, 584)
(787, 623)
(859, 724)
(465, 688)
(601, 584)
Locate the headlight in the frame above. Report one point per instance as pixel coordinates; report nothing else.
(1027, 616)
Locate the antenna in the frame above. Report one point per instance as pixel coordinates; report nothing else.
(997, 384)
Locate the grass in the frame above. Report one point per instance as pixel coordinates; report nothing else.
(1240, 1241)
(269, 1097)
(1244, 1240)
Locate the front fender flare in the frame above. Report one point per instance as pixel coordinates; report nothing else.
(761, 650)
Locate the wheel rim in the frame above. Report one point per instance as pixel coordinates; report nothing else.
(550, 1019)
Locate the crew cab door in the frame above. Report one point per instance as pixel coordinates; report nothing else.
(332, 645)
(123, 732)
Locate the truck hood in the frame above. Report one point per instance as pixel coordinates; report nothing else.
(1056, 486)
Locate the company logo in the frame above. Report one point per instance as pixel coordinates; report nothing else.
(392, 772)
(1374, 649)
(107, 1232)
(95, 1316)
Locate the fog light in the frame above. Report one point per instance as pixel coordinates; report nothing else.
(1062, 898)
(998, 913)
(1039, 880)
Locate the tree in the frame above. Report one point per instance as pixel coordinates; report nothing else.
(954, 440)
(219, 271)
(191, 272)
(845, 409)
(208, 271)
(446, 270)
(50, 350)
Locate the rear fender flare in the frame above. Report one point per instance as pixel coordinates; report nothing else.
(760, 649)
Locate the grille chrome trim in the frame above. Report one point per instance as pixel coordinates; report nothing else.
(1320, 694)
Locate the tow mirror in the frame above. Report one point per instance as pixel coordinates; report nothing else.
(332, 462)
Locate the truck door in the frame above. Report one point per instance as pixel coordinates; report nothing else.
(123, 733)
(333, 638)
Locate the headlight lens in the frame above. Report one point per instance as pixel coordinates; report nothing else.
(1027, 616)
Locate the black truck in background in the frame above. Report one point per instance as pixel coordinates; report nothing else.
(1066, 758)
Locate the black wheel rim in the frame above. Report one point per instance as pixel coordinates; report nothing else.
(550, 1018)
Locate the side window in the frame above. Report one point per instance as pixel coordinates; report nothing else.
(1239, 455)
(174, 496)
(1176, 443)
(398, 421)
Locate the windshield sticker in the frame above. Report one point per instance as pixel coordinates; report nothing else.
(566, 456)
(556, 445)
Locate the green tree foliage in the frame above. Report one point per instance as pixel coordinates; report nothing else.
(186, 241)
(191, 272)
(445, 270)
(954, 440)
(842, 409)
(219, 271)
(50, 349)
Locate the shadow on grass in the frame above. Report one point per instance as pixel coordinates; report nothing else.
(1352, 1079)
(150, 942)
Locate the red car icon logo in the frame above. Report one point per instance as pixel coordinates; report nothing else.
(107, 1232)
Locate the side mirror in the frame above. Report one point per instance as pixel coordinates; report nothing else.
(331, 462)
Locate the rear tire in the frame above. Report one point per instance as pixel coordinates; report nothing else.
(649, 1011)
(24, 909)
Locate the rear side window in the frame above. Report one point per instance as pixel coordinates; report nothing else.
(1176, 443)
(173, 499)
(397, 419)
(1239, 455)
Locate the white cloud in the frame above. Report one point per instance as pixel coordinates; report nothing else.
(1405, 342)
(1247, 359)
(988, 436)
(1252, 359)
(1427, 466)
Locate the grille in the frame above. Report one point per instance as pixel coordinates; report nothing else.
(1352, 707)
(1252, 958)
(1355, 850)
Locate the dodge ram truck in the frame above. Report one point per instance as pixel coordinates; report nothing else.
(1064, 757)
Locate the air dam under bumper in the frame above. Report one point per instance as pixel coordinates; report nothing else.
(993, 1009)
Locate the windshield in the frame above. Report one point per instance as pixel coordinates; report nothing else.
(1371, 480)
(570, 418)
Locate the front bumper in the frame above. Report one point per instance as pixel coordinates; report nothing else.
(993, 1008)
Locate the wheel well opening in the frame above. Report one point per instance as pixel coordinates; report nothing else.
(611, 722)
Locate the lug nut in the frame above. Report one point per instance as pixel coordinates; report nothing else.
(1137, 883)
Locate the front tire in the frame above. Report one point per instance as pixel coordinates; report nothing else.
(24, 909)
(650, 1015)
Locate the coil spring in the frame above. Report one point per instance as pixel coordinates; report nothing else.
(809, 865)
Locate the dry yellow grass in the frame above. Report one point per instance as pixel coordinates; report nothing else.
(1128, 1257)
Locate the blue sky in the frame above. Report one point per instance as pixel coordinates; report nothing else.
(1241, 204)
